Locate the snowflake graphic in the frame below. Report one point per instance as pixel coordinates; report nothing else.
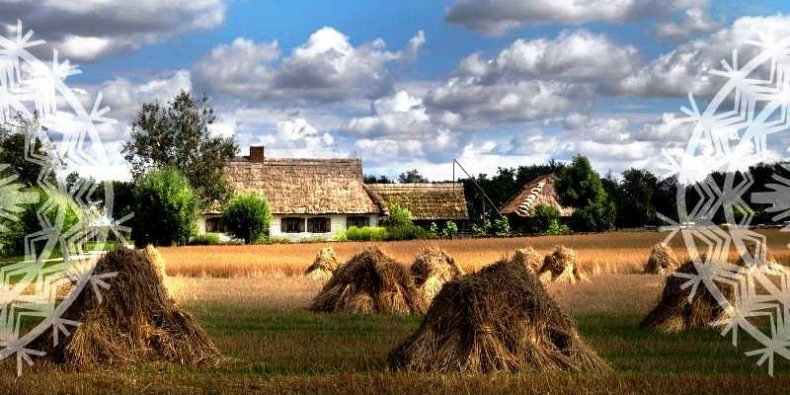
(729, 136)
(30, 304)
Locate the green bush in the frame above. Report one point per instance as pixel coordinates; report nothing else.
(12, 236)
(406, 232)
(433, 229)
(482, 229)
(542, 219)
(501, 227)
(367, 233)
(450, 229)
(206, 239)
(399, 216)
(165, 210)
(247, 217)
(595, 217)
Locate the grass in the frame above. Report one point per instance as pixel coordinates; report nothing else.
(274, 345)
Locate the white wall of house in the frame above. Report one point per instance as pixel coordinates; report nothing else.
(338, 224)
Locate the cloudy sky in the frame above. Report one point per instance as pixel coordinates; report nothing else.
(411, 83)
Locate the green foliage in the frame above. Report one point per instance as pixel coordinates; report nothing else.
(579, 186)
(406, 232)
(399, 216)
(542, 218)
(450, 229)
(206, 239)
(247, 217)
(54, 205)
(501, 227)
(14, 149)
(482, 229)
(177, 135)
(634, 197)
(165, 210)
(597, 217)
(367, 233)
(433, 229)
(412, 177)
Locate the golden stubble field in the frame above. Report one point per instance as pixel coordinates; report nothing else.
(252, 301)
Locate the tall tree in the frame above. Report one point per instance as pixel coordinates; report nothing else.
(177, 135)
(411, 177)
(579, 186)
(16, 142)
(382, 179)
(635, 199)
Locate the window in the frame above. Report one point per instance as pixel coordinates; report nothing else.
(319, 225)
(292, 225)
(357, 222)
(215, 225)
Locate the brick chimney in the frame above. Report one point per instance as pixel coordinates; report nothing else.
(256, 154)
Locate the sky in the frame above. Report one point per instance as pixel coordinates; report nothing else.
(410, 84)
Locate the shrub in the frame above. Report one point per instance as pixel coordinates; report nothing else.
(12, 236)
(501, 227)
(206, 239)
(595, 217)
(542, 219)
(482, 229)
(367, 233)
(450, 229)
(406, 232)
(433, 229)
(165, 210)
(399, 216)
(247, 217)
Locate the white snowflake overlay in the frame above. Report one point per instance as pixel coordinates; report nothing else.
(54, 260)
(729, 136)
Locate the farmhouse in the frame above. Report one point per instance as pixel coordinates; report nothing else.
(534, 193)
(427, 202)
(308, 198)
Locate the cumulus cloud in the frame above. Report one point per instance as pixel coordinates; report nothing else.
(326, 68)
(495, 17)
(124, 97)
(687, 68)
(90, 30)
(398, 114)
(693, 20)
(576, 55)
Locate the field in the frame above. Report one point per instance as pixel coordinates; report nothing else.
(253, 303)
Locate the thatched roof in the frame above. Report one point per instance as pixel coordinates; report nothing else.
(306, 186)
(426, 201)
(536, 192)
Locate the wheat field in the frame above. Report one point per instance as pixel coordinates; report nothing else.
(253, 303)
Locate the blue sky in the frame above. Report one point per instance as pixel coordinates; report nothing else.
(412, 84)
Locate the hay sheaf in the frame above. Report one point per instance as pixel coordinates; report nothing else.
(135, 321)
(529, 258)
(662, 260)
(432, 269)
(324, 265)
(560, 267)
(370, 282)
(155, 258)
(674, 312)
(498, 319)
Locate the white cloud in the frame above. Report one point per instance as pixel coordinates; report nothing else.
(686, 68)
(694, 20)
(399, 114)
(125, 97)
(326, 68)
(92, 29)
(495, 17)
(577, 55)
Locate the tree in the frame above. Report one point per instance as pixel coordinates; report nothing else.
(579, 186)
(177, 135)
(543, 219)
(635, 198)
(15, 144)
(247, 217)
(371, 179)
(412, 177)
(53, 208)
(165, 210)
